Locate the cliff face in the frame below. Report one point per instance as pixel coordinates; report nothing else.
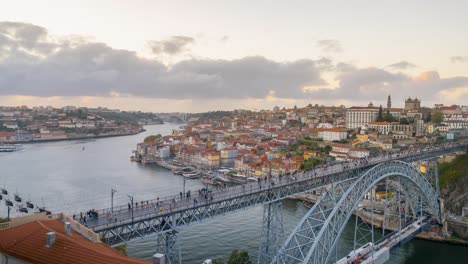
(454, 183)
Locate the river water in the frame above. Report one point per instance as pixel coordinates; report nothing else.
(70, 176)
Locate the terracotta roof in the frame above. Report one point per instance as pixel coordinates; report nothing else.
(27, 242)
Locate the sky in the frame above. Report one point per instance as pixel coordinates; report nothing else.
(193, 56)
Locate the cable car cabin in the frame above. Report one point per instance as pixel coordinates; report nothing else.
(17, 198)
(23, 210)
(8, 203)
(29, 205)
(4, 191)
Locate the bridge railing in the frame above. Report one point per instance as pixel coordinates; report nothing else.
(226, 194)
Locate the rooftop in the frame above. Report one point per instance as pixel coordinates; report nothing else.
(27, 242)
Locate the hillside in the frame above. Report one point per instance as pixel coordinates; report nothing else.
(454, 183)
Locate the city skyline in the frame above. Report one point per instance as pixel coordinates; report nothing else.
(201, 58)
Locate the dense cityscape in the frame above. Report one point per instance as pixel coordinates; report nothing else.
(233, 132)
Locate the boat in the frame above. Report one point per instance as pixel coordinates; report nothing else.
(29, 205)
(207, 180)
(183, 170)
(1, 197)
(23, 210)
(192, 175)
(4, 191)
(10, 147)
(8, 202)
(17, 198)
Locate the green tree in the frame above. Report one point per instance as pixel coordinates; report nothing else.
(239, 257)
(380, 117)
(388, 117)
(152, 138)
(327, 149)
(437, 117)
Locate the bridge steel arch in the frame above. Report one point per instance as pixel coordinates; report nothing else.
(315, 237)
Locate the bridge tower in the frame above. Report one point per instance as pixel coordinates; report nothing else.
(168, 244)
(415, 199)
(272, 231)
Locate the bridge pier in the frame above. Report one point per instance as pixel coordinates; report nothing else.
(272, 231)
(168, 244)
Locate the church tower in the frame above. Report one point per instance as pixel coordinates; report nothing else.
(389, 102)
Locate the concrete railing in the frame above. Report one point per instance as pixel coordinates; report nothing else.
(83, 230)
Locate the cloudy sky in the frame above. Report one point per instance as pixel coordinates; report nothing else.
(206, 55)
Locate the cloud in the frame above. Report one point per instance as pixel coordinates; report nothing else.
(361, 84)
(329, 45)
(402, 65)
(85, 68)
(172, 46)
(461, 59)
(34, 63)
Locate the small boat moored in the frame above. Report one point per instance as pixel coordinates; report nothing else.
(4, 191)
(8, 202)
(18, 198)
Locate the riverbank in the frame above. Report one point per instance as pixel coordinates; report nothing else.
(79, 137)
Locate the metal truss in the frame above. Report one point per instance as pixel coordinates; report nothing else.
(158, 223)
(272, 231)
(116, 234)
(315, 237)
(168, 244)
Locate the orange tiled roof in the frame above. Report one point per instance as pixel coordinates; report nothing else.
(27, 242)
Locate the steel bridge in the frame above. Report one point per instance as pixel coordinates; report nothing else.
(316, 235)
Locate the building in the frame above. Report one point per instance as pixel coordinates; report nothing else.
(412, 104)
(331, 134)
(381, 127)
(357, 116)
(228, 153)
(47, 241)
(358, 153)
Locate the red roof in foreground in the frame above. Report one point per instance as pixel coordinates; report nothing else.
(27, 242)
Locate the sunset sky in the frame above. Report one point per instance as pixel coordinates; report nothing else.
(166, 56)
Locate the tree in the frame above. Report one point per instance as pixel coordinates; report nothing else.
(237, 257)
(388, 117)
(327, 149)
(437, 117)
(380, 117)
(428, 117)
(152, 138)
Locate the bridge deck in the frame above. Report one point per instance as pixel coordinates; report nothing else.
(220, 201)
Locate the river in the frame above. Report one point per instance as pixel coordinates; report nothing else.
(70, 176)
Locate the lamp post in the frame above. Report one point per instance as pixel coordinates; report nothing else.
(112, 199)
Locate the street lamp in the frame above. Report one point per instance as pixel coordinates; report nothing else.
(112, 199)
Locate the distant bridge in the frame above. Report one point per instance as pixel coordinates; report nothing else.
(316, 235)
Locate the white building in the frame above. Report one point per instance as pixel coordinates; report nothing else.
(331, 134)
(381, 127)
(358, 116)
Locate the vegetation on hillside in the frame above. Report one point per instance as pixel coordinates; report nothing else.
(454, 183)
